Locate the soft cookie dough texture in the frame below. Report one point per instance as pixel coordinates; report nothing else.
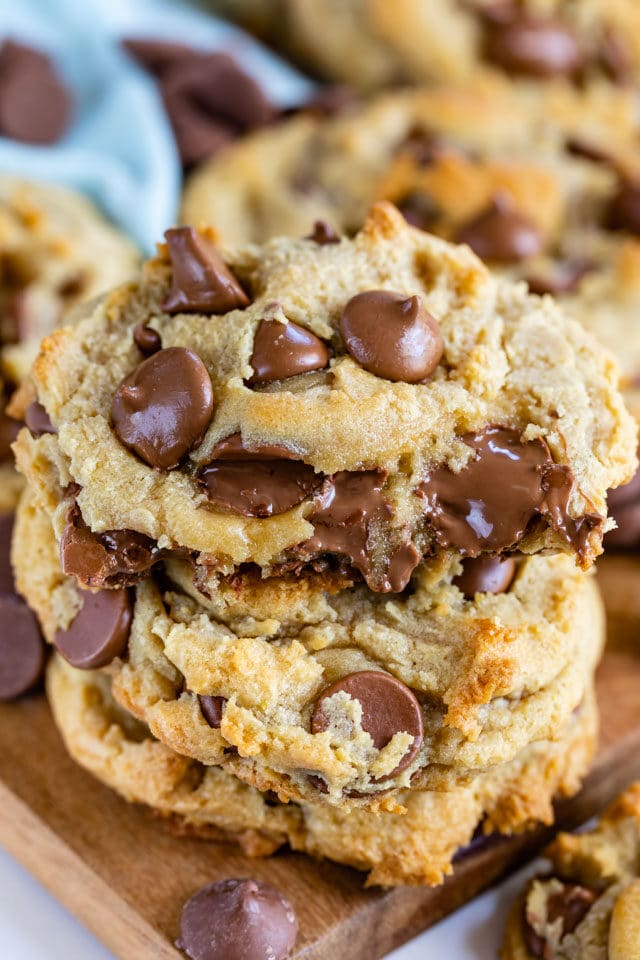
(55, 251)
(375, 43)
(588, 904)
(416, 847)
(346, 463)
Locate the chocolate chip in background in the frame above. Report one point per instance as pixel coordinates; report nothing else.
(323, 234)
(113, 558)
(629, 493)
(391, 335)
(35, 105)
(22, 651)
(212, 709)
(388, 707)
(419, 209)
(501, 233)
(37, 420)
(485, 575)
(6, 571)
(532, 46)
(162, 410)
(9, 430)
(624, 208)
(563, 277)
(258, 488)
(100, 630)
(282, 350)
(237, 919)
(146, 339)
(615, 56)
(202, 283)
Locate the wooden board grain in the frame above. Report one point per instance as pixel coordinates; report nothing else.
(126, 877)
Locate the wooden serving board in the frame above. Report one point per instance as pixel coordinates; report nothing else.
(126, 877)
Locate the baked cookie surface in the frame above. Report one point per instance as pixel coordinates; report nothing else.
(589, 903)
(339, 407)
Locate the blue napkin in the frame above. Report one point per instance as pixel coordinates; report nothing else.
(119, 149)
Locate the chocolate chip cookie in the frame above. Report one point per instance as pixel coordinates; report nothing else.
(342, 410)
(416, 847)
(326, 693)
(55, 251)
(588, 904)
(372, 43)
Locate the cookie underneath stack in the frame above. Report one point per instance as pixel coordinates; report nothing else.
(305, 528)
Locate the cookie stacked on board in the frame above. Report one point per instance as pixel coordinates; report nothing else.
(309, 524)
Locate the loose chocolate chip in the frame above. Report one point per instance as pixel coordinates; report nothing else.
(21, 648)
(202, 283)
(162, 410)
(35, 106)
(6, 571)
(282, 350)
(37, 420)
(391, 335)
(490, 504)
(115, 558)
(532, 46)
(485, 575)
(501, 233)
(212, 709)
(624, 507)
(146, 339)
(388, 707)
(570, 905)
(419, 209)
(9, 429)
(564, 277)
(323, 234)
(258, 487)
(624, 208)
(100, 630)
(237, 920)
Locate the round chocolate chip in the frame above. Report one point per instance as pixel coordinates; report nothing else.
(35, 106)
(146, 339)
(624, 208)
(202, 282)
(238, 920)
(282, 350)
(162, 410)
(21, 648)
(391, 335)
(37, 420)
(388, 707)
(485, 575)
(100, 630)
(533, 46)
(501, 233)
(212, 709)
(258, 488)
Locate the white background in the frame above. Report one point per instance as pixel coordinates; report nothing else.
(33, 926)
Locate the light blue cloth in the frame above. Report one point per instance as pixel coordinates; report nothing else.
(119, 149)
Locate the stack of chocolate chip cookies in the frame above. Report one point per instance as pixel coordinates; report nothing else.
(309, 525)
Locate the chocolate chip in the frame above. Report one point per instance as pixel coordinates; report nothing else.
(485, 575)
(423, 146)
(624, 208)
(490, 504)
(258, 487)
(323, 234)
(162, 410)
(564, 277)
(21, 648)
(624, 507)
(37, 420)
(9, 429)
(6, 571)
(212, 709)
(388, 707)
(156, 56)
(579, 147)
(391, 335)
(115, 558)
(419, 209)
(614, 56)
(146, 339)
(282, 350)
(237, 920)
(100, 630)
(202, 283)
(329, 101)
(532, 46)
(629, 493)
(501, 233)
(350, 504)
(35, 106)
(570, 905)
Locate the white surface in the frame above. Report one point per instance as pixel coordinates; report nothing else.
(33, 925)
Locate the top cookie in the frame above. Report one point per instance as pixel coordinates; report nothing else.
(308, 404)
(374, 43)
